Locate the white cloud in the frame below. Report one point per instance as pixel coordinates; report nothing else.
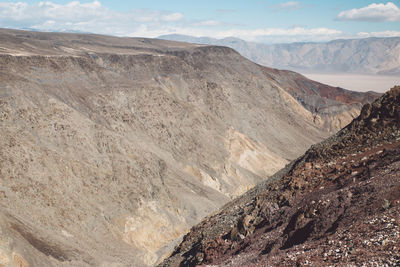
(273, 35)
(379, 34)
(290, 5)
(76, 16)
(296, 34)
(95, 18)
(373, 12)
(209, 23)
(172, 17)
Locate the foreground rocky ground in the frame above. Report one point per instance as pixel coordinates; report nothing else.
(336, 205)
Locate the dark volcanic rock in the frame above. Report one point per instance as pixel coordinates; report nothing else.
(337, 204)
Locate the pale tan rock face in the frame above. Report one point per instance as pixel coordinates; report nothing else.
(113, 148)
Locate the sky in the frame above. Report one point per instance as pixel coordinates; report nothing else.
(252, 20)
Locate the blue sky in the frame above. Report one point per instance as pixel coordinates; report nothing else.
(252, 20)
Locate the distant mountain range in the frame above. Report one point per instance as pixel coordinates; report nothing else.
(366, 56)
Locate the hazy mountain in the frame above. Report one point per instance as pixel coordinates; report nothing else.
(369, 55)
(112, 148)
(337, 204)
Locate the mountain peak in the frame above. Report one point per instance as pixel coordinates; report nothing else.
(381, 116)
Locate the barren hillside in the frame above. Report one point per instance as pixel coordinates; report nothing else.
(112, 148)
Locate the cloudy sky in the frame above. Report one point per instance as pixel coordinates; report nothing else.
(252, 20)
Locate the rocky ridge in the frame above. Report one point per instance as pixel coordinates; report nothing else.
(337, 204)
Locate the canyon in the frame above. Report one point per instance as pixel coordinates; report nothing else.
(112, 148)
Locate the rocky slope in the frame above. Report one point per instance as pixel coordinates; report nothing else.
(112, 148)
(332, 108)
(367, 55)
(337, 204)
